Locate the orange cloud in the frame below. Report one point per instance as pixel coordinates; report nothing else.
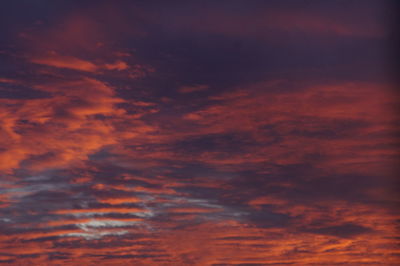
(82, 127)
(118, 65)
(66, 62)
(101, 210)
(192, 210)
(117, 201)
(55, 131)
(304, 120)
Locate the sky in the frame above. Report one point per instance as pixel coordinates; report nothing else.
(198, 133)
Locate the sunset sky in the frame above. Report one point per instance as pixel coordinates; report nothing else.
(198, 133)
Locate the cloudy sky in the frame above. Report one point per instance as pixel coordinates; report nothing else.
(198, 133)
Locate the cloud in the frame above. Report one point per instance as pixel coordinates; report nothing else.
(267, 150)
(95, 235)
(116, 201)
(118, 65)
(63, 128)
(104, 211)
(105, 223)
(66, 62)
(192, 210)
(73, 63)
(326, 116)
(62, 221)
(195, 88)
(343, 230)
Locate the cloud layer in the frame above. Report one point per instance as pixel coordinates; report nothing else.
(215, 133)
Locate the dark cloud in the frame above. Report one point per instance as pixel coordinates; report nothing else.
(344, 230)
